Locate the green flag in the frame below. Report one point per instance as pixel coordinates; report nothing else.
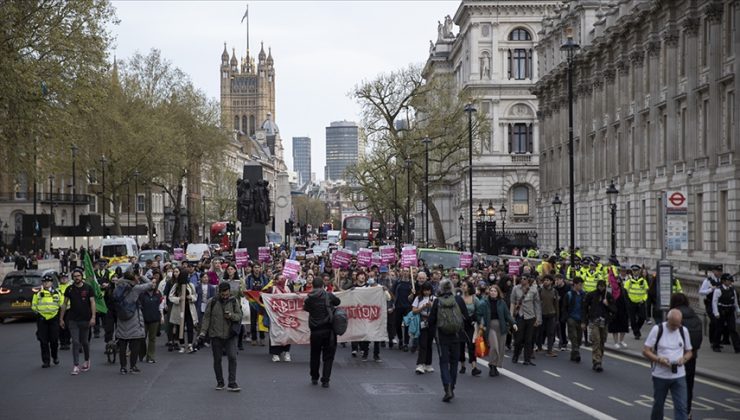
(90, 279)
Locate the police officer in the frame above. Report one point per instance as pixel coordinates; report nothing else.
(724, 308)
(637, 294)
(708, 286)
(46, 304)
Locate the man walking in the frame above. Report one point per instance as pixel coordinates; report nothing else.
(668, 347)
(573, 307)
(46, 304)
(218, 320)
(319, 305)
(527, 309)
(449, 315)
(637, 294)
(724, 309)
(596, 311)
(80, 298)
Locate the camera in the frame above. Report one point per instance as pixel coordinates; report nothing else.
(674, 367)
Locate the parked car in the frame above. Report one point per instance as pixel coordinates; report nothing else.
(150, 254)
(17, 290)
(195, 252)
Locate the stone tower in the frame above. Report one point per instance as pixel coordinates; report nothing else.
(247, 91)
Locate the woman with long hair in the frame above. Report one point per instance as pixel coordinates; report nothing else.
(495, 319)
(184, 304)
(471, 302)
(422, 305)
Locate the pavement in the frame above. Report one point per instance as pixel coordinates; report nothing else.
(182, 385)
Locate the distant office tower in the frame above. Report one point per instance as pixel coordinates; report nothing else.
(342, 144)
(302, 158)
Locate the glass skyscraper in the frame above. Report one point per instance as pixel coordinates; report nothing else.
(342, 147)
(302, 158)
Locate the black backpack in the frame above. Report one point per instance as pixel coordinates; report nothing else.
(660, 334)
(693, 323)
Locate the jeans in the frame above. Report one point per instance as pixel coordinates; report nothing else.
(449, 354)
(188, 325)
(48, 334)
(678, 395)
(253, 315)
(323, 348)
(574, 335)
(80, 332)
(524, 338)
(218, 345)
(151, 338)
(426, 339)
(401, 331)
(134, 346)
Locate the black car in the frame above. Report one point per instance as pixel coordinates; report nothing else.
(17, 290)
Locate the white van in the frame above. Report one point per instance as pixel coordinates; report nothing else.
(118, 246)
(333, 236)
(195, 252)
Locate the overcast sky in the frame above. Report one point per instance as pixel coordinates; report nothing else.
(321, 49)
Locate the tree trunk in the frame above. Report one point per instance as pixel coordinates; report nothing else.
(148, 215)
(115, 199)
(176, 212)
(439, 233)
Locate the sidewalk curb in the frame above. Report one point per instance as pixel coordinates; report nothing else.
(705, 373)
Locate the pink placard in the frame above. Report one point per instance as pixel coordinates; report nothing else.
(466, 260)
(387, 254)
(242, 257)
(178, 254)
(264, 254)
(364, 257)
(376, 261)
(341, 259)
(291, 268)
(408, 257)
(514, 267)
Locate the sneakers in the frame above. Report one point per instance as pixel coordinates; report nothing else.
(617, 346)
(597, 367)
(191, 349)
(325, 384)
(420, 369)
(233, 388)
(428, 368)
(85, 366)
(314, 381)
(551, 354)
(123, 371)
(364, 357)
(182, 350)
(219, 386)
(354, 353)
(56, 361)
(75, 370)
(275, 358)
(46, 365)
(623, 344)
(475, 371)
(377, 359)
(462, 369)
(134, 370)
(286, 357)
(148, 360)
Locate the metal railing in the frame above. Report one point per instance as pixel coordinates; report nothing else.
(57, 198)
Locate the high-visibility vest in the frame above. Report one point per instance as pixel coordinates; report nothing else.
(47, 303)
(636, 289)
(589, 282)
(677, 286)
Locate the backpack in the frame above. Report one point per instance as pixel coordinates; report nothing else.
(449, 316)
(660, 334)
(125, 310)
(337, 317)
(693, 323)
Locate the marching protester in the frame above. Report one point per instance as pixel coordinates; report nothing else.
(46, 303)
(256, 281)
(598, 307)
(574, 301)
(280, 352)
(401, 292)
(80, 298)
(471, 303)
(319, 304)
(422, 306)
(130, 328)
(151, 302)
(183, 306)
(527, 310)
(495, 321)
(668, 347)
(693, 324)
(221, 314)
(550, 312)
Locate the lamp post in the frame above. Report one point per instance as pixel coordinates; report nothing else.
(611, 194)
(480, 228)
(502, 212)
(460, 219)
(408, 200)
(74, 149)
(103, 162)
(87, 233)
(395, 209)
(570, 47)
(136, 205)
(204, 218)
(490, 226)
(556, 204)
(51, 207)
(425, 213)
(469, 110)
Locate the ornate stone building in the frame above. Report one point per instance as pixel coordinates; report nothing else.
(493, 59)
(655, 110)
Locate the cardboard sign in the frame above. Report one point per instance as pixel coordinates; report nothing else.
(291, 268)
(364, 257)
(242, 257)
(376, 261)
(514, 267)
(341, 259)
(387, 254)
(178, 254)
(408, 257)
(466, 260)
(264, 254)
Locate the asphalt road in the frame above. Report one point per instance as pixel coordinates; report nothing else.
(181, 386)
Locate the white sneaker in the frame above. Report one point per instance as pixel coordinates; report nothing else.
(420, 369)
(428, 368)
(275, 358)
(623, 344)
(286, 357)
(182, 350)
(616, 346)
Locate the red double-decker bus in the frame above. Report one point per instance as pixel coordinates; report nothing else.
(357, 232)
(220, 236)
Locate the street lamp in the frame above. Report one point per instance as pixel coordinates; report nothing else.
(502, 212)
(490, 211)
(460, 219)
(204, 218)
(570, 47)
(556, 204)
(425, 214)
(480, 228)
(469, 109)
(395, 208)
(136, 205)
(87, 232)
(74, 149)
(51, 207)
(611, 194)
(408, 200)
(103, 162)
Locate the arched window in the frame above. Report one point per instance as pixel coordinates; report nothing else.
(520, 198)
(236, 122)
(520, 34)
(251, 125)
(244, 124)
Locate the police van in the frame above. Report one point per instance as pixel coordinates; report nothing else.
(117, 248)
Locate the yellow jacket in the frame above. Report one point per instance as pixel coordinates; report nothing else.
(47, 303)
(637, 289)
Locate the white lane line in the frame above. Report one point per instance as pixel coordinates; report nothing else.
(552, 394)
(583, 386)
(551, 373)
(709, 382)
(727, 407)
(628, 404)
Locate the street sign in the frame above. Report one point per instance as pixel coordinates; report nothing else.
(676, 220)
(676, 203)
(665, 283)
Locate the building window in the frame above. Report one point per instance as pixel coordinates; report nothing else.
(520, 196)
(707, 41)
(627, 226)
(682, 138)
(140, 203)
(244, 124)
(663, 138)
(520, 138)
(730, 24)
(643, 219)
(699, 223)
(236, 123)
(704, 128)
(682, 60)
(93, 208)
(729, 120)
(251, 125)
(722, 222)
(520, 64)
(520, 34)
(21, 187)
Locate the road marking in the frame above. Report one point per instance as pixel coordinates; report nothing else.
(628, 404)
(647, 365)
(551, 373)
(583, 386)
(727, 407)
(552, 394)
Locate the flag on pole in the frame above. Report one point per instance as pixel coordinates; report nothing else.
(246, 15)
(93, 282)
